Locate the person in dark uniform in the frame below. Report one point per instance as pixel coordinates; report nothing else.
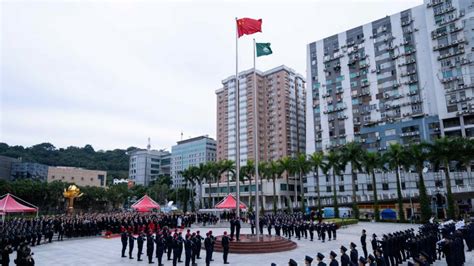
(354, 254)
(131, 243)
(188, 250)
(6, 251)
(150, 247)
(124, 239)
(232, 229)
(261, 222)
(320, 258)
(311, 231)
(252, 226)
(208, 247)
(169, 245)
(329, 230)
(180, 246)
(332, 257)
(334, 229)
(140, 241)
(323, 232)
(160, 248)
(345, 260)
(198, 244)
(308, 260)
(292, 262)
(175, 249)
(225, 247)
(363, 242)
(373, 242)
(237, 229)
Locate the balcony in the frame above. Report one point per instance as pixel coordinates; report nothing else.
(446, 80)
(443, 11)
(435, 35)
(444, 46)
(410, 134)
(434, 3)
(460, 51)
(406, 23)
(407, 62)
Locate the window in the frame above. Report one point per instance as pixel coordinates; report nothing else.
(52, 177)
(341, 188)
(385, 186)
(390, 132)
(72, 177)
(369, 187)
(328, 189)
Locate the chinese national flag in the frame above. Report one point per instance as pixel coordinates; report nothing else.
(247, 26)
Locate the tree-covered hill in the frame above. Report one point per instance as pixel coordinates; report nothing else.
(115, 162)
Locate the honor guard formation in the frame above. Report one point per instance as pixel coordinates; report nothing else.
(433, 242)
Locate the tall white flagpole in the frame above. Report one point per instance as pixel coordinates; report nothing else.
(237, 120)
(255, 135)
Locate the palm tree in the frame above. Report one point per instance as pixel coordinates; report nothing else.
(188, 178)
(287, 164)
(275, 171)
(465, 155)
(195, 173)
(372, 161)
(248, 171)
(229, 167)
(353, 153)
(214, 172)
(442, 153)
(394, 158)
(263, 173)
(417, 155)
(203, 170)
(333, 159)
(316, 161)
(302, 167)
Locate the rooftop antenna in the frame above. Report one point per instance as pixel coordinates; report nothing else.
(181, 135)
(148, 147)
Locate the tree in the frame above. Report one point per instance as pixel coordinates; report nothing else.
(275, 171)
(316, 160)
(442, 153)
(416, 156)
(248, 171)
(465, 156)
(302, 168)
(264, 174)
(333, 158)
(288, 166)
(229, 167)
(371, 162)
(394, 158)
(352, 153)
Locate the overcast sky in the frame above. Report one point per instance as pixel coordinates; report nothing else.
(111, 74)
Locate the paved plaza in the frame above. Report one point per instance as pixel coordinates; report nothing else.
(101, 251)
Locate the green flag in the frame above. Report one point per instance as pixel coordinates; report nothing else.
(263, 49)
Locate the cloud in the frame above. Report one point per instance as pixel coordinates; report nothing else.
(112, 73)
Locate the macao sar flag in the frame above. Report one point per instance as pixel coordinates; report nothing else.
(263, 49)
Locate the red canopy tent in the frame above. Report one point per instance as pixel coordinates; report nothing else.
(8, 204)
(229, 202)
(145, 204)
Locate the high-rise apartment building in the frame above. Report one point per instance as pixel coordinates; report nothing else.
(190, 152)
(148, 165)
(404, 78)
(281, 115)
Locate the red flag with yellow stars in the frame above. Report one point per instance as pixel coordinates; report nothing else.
(247, 26)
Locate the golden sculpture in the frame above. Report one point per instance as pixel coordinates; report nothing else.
(71, 193)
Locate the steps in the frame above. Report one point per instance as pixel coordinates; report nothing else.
(249, 244)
